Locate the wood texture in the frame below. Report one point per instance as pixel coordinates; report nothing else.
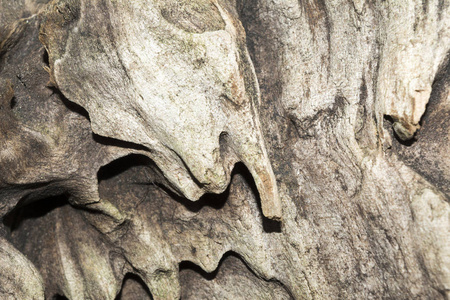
(225, 149)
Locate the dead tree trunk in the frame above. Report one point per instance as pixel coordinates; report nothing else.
(224, 149)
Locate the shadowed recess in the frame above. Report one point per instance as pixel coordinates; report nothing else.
(268, 224)
(188, 265)
(428, 156)
(390, 122)
(34, 210)
(133, 287)
(217, 201)
(108, 141)
(123, 164)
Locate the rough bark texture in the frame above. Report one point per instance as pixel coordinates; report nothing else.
(225, 149)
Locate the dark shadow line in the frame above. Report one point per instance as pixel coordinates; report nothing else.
(188, 265)
(33, 210)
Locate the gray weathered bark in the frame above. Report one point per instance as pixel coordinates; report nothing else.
(224, 149)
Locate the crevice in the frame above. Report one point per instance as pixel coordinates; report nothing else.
(217, 201)
(223, 143)
(45, 58)
(188, 265)
(438, 87)
(389, 120)
(20, 78)
(269, 226)
(427, 156)
(209, 276)
(13, 102)
(123, 164)
(150, 174)
(33, 210)
(72, 106)
(109, 141)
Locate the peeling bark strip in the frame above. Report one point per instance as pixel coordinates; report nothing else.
(224, 149)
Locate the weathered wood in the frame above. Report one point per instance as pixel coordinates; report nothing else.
(225, 149)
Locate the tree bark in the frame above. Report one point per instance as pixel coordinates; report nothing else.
(224, 149)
